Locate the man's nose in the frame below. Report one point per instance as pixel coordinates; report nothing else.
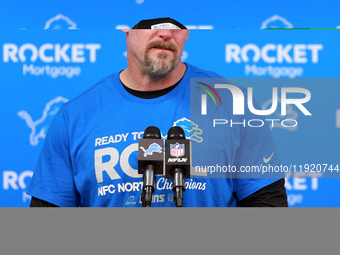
(166, 34)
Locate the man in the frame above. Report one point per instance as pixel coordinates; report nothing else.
(89, 156)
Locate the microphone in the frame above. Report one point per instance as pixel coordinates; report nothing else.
(150, 161)
(177, 161)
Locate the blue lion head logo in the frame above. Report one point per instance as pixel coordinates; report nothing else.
(191, 130)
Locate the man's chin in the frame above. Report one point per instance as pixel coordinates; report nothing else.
(161, 67)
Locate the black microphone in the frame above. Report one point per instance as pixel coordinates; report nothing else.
(177, 161)
(150, 161)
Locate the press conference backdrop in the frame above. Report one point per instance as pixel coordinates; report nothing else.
(52, 51)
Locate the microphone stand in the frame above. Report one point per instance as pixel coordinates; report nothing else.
(179, 186)
(149, 180)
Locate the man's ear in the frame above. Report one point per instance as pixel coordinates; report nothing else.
(187, 36)
(125, 30)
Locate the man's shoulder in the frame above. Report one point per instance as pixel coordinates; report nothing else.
(207, 77)
(197, 72)
(95, 90)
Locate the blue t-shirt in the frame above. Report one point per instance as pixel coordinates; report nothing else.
(90, 158)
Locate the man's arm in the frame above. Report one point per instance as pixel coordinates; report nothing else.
(36, 202)
(52, 179)
(273, 195)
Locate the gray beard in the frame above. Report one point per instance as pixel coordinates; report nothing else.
(160, 65)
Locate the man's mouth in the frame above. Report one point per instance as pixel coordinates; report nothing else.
(161, 46)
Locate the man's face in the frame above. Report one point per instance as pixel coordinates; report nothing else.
(158, 50)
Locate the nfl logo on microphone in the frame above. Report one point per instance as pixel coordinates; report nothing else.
(177, 150)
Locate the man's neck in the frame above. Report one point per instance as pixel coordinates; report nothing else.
(145, 81)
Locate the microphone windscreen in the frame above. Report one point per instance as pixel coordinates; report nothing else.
(152, 132)
(176, 133)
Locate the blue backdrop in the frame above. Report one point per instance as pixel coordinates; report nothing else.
(53, 50)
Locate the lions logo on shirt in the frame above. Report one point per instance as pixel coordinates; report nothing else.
(191, 129)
